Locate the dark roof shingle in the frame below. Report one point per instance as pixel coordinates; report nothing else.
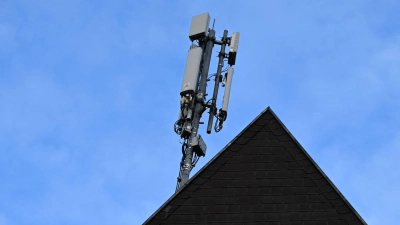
(262, 175)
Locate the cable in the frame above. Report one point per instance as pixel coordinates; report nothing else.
(218, 127)
(208, 101)
(184, 147)
(213, 74)
(195, 160)
(177, 128)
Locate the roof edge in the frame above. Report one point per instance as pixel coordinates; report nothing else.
(318, 168)
(209, 162)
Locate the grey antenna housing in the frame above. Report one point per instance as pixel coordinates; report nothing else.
(199, 146)
(199, 26)
(191, 75)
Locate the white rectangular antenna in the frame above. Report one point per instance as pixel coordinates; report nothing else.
(228, 85)
(233, 48)
(199, 26)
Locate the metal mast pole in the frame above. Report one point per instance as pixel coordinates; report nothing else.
(200, 107)
(213, 108)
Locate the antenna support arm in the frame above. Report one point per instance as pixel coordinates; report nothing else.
(217, 81)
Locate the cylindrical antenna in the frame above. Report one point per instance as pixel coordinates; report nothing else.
(217, 81)
(191, 75)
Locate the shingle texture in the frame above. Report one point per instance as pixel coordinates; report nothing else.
(263, 176)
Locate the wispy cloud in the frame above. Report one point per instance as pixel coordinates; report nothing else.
(89, 93)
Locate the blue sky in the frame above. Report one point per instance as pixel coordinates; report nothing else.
(89, 92)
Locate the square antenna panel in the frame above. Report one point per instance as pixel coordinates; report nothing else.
(199, 146)
(199, 26)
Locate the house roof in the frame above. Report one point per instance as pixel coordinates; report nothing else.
(263, 176)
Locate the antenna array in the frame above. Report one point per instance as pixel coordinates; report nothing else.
(193, 94)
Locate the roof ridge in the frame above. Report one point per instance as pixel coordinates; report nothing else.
(255, 127)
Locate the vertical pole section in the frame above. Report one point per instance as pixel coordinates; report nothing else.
(213, 108)
(199, 106)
